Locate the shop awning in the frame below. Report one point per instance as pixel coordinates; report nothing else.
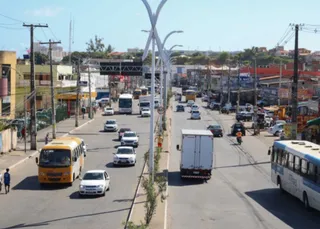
(314, 122)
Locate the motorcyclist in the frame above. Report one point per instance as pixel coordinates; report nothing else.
(239, 136)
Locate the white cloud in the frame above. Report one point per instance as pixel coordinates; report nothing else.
(45, 12)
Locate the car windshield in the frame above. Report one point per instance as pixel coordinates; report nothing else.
(130, 135)
(124, 130)
(55, 158)
(215, 127)
(111, 122)
(93, 176)
(145, 109)
(190, 101)
(125, 151)
(109, 109)
(195, 112)
(238, 125)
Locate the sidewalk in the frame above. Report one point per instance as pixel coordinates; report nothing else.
(14, 158)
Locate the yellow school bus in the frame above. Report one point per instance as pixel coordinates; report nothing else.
(137, 93)
(61, 161)
(191, 95)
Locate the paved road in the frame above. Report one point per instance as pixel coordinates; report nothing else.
(30, 206)
(239, 195)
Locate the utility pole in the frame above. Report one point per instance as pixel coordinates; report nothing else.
(239, 86)
(78, 94)
(33, 106)
(294, 94)
(229, 76)
(221, 89)
(25, 124)
(53, 108)
(280, 83)
(90, 102)
(255, 108)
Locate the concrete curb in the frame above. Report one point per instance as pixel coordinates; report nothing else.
(36, 152)
(165, 222)
(138, 187)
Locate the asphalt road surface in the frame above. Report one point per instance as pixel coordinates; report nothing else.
(29, 206)
(240, 193)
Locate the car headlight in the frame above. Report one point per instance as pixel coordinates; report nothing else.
(66, 173)
(81, 186)
(100, 186)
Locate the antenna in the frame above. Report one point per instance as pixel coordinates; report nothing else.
(73, 31)
(70, 40)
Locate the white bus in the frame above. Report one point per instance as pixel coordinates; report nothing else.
(125, 104)
(295, 168)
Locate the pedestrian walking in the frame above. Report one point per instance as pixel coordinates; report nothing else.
(0, 182)
(7, 179)
(46, 139)
(23, 132)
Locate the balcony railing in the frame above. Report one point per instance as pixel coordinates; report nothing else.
(46, 83)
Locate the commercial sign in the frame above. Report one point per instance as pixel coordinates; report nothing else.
(288, 128)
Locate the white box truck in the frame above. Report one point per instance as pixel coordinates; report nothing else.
(197, 156)
(144, 101)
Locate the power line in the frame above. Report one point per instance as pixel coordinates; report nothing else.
(11, 18)
(6, 27)
(17, 23)
(54, 36)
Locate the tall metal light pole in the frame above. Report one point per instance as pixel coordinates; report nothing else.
(154, 38)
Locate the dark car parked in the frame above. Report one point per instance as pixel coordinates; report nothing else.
(180, 108)
(238, 127)
(216, 130)
(121, 132)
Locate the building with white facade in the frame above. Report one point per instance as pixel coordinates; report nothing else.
(57, 51)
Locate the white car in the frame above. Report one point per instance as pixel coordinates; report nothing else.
(190, 103)
(156, 104)
(130, 138)
(125, 155)
(194, 107)
(276, 129)
(108, 111)
(145, 112)
(195, 115)
(94, 182)
(111, 125)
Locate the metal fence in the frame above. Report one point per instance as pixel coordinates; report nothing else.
(44, 118)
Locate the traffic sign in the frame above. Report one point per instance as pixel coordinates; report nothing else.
(160, 110)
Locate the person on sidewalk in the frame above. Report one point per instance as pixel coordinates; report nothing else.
(23, 132)
(0, 182)
(7, 179)
(46, 139)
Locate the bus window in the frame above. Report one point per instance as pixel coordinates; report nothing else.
(304, 167)
(279, 159)
(290, 161)
(285, 158)
(297, 164)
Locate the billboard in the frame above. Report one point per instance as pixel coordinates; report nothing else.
(303, 94)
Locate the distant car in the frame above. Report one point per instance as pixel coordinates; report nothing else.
(205, 98)
(156, 104)
(145, 112)
(125, 155)
(94, 182)
(216, 130)
(195, 115)
(130, 138)
(122, 131)
(194, 107)
(180, 108)
(276, 129)
(108, 111)
(111, 125)
(190, 103)
(235, 128)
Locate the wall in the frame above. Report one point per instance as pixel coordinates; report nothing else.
(9, 57)
(8, 140)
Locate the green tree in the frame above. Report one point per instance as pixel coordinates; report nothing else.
(75, 57)
(223, 57)
(40, 58)
(110, 49)
(95, 45)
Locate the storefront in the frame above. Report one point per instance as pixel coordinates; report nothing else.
(70, 100)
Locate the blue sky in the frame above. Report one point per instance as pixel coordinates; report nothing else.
(207, 24)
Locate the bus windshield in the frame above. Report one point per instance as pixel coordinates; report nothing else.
(137, 92)
(55, 158)
(125, 103)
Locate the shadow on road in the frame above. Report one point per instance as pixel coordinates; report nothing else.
(45, 223)
(174, 179)
(75, 195)
(31, 183)
(243, 165)
(99, 148)
(287, 208)
(123, 200)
